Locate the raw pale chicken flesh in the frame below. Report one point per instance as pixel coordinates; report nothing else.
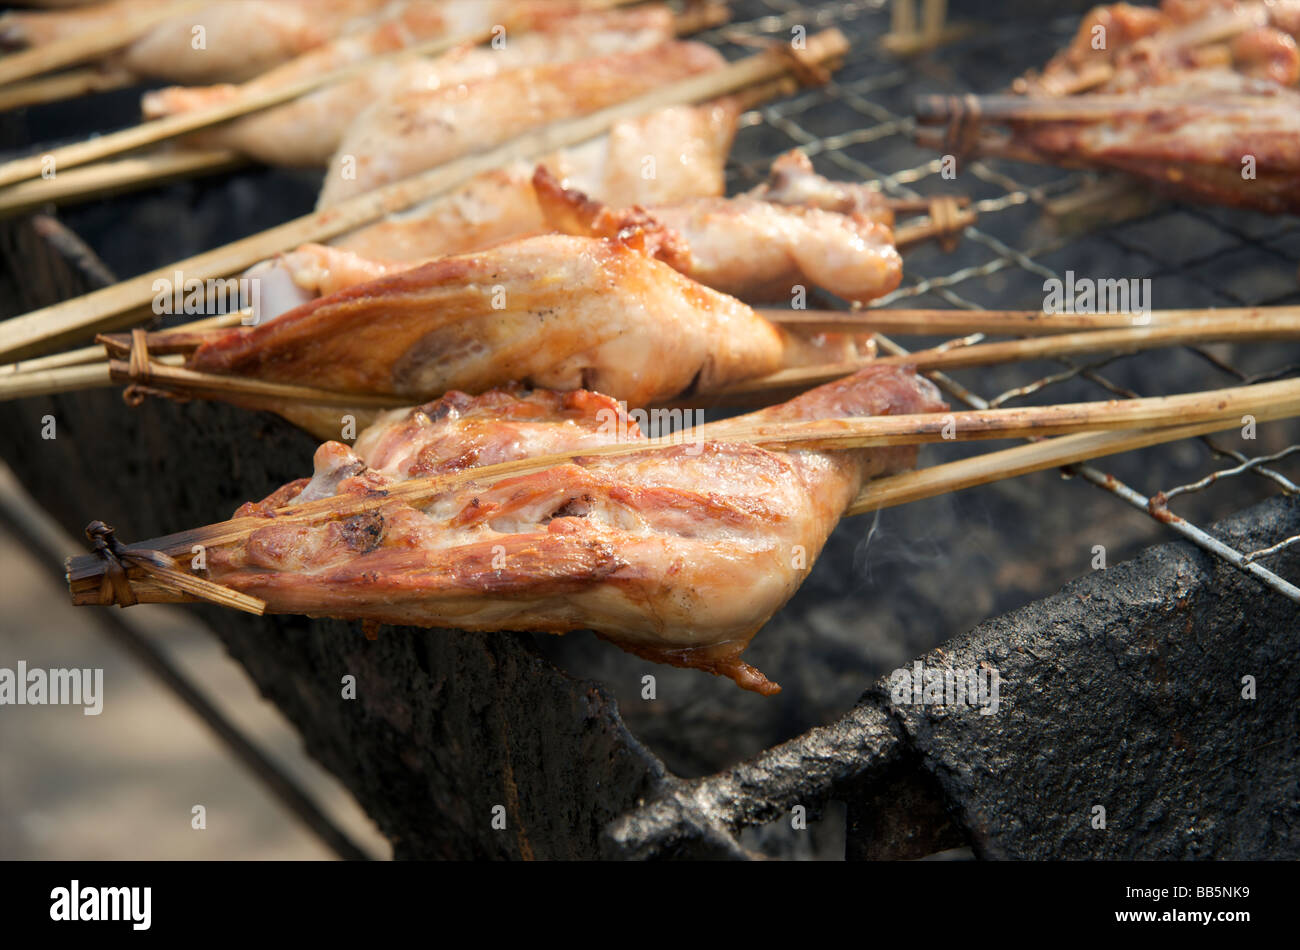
(665, 156)
(307, 131)
(765, 245)
(417, 131)
(677, 555)
(552, 311)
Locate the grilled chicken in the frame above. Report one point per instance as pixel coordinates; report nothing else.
(761, 245)
(1197, 97)
(666, 156)
(420, 130)
(1121, 47)
(678, 555)
(307, 131)
(239, 38)
(1213, 135)
(758, 246)
(553, 311)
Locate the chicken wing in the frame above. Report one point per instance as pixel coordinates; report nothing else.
(307, 131)
(759, 246)
(678, 555)
(420, 130)
(666, 156)
(553, 311)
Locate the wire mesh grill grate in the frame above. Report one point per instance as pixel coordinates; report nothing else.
(859, 126)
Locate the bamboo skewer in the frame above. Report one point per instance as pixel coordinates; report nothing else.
(1120, 341)
(101, 179)
(89, 44)
(67, 85)
(931, 110)
(63, 372)
(173, 126)
(107, 178)
(951, 323)
(170, 376)
(98, 353)
(1034, 457)
(1194, 413)
(1018, 423)
(113, 307)
(943, 323)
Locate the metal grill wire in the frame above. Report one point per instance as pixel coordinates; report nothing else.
(843, 142)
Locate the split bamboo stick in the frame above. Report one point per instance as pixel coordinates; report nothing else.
(66, 85)
(109, 178)
(1034, 457)
(1123, 340)
(1098, 107)
(952, 323)
(98, 353)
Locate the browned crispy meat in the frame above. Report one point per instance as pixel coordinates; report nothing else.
(761, 245)
(1121, 47)
(554, 311)
(1197, 98)
(678, 555)
(1211, 136)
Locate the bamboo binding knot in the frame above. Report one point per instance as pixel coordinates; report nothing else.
(118, 590)
(948, 220)
(117, 557)
(961, 136)
(805, 67)
(139, 370)
(808, 70)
